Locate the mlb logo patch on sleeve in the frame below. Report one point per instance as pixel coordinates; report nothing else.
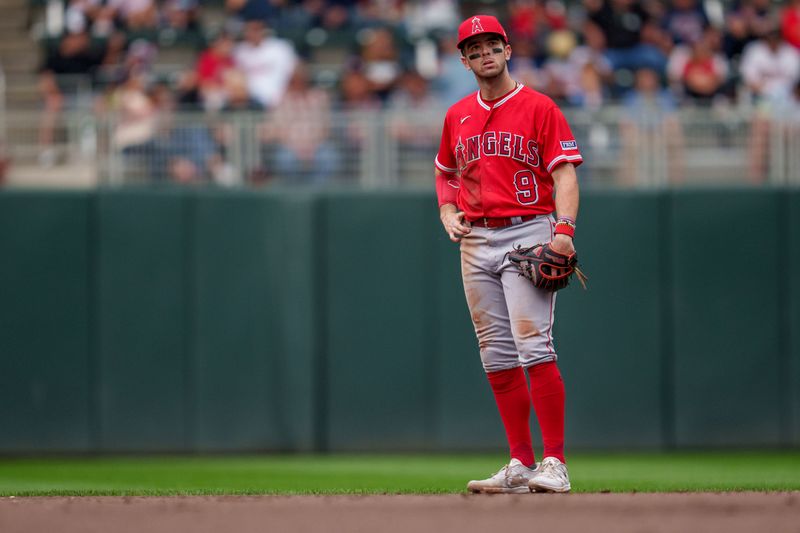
(569, 145)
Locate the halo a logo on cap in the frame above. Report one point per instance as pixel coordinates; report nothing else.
(476, 26)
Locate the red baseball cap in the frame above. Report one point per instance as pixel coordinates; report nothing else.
(480, 24)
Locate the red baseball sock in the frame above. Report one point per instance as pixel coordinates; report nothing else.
(547, 393)
(511, 393)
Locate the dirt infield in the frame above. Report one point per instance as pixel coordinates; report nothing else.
(728, 512)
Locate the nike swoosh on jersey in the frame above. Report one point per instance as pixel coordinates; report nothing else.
(465, 118)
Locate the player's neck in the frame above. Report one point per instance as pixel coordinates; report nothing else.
(494, 88)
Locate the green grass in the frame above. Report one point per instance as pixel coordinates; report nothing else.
(349, 474)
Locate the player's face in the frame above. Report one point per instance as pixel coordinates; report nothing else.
(486, 55)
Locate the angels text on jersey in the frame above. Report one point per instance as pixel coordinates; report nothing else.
(497, 143)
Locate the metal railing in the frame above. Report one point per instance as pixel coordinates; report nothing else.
(368, 149)
(3, 121)
(396, 149)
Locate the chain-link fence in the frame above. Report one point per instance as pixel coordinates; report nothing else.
(394, 148)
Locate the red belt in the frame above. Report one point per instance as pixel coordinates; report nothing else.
(500, 222)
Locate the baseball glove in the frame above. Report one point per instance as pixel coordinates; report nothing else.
(546, 268)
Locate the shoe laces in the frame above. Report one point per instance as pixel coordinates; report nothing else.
(504, 472)
(517, 469)
(551, 468)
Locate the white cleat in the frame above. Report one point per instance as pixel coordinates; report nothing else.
(551, 476)
(511, 479)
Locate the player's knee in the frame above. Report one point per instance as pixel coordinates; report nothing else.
(498, 366)
(498, 356)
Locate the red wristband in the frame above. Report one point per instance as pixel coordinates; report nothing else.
(565, 228)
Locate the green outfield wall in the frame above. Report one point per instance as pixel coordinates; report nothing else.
(172, 320)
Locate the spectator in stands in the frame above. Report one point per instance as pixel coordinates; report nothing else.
(736, 35)
(298, 133)
(330, 15)
(135, 15)
(4, 160)
(760, 16)
(136, 123)
(453, 81)
(114, 57)
(90, 14)
(574, 76)
(358, 103)
(524, 18)
(140, 55)
(237, 96)
(376, 14)
(156, 146)
(181, 15)
(590, 90)
(790, 23)
(649, 102)
(532, 20)
(592, 69)
(187, 150)
(64, 78)
(267, 11)
(770, 68)
(652, 139)
(685, 21)
(103, 20)
(355, 93)
(562, 80)
(379, 60)
(414, 95)
(429, 17)
(748, 21)
(226, 128)
(186, 90)
(526, 65)
(212, 66)
(414, 122)
(633, 36)
(266, 61)
(699, 71)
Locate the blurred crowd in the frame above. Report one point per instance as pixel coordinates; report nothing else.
(269, 56)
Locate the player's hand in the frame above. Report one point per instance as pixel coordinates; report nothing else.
(563, 244)
(453, 221)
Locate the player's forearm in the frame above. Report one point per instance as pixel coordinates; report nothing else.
(447, 209)
(446, 188)
(567, 192)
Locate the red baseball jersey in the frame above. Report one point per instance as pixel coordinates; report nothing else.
(502, 152)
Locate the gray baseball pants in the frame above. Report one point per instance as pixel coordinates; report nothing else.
(513, 319)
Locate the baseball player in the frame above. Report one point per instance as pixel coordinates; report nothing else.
(505, 165)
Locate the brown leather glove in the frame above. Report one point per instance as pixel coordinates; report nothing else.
(546, 268)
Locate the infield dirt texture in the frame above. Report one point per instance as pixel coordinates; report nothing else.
(620, 513)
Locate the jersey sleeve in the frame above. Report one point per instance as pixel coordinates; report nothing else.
(445, 159)
(446, 189)
(447, 184)
(557, 144)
